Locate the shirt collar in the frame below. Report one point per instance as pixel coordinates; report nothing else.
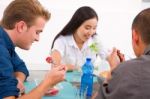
(72, 42)
(147, 50)
(7, 41)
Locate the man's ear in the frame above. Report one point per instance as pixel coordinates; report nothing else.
(135, 37)
(21, 26)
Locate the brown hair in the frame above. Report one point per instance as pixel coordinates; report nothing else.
(141, 24)
(23, 10)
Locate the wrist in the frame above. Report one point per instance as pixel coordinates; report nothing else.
(20, 76)
(108, 77)
(47, 83)
(19, 80)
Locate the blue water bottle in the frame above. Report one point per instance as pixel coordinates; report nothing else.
(86, 86)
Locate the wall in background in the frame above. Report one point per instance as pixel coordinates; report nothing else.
(114, 27)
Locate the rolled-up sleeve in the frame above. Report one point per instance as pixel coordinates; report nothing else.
(8, 87)
(19, 65)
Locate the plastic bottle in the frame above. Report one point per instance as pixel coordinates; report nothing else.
(86, 86)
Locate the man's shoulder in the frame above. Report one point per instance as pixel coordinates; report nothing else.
(136, 61)
(129, 63)
(134, 64)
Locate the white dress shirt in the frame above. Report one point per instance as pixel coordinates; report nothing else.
(70, 52)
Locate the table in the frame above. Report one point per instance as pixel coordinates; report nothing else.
(67, 92)
(69, 88)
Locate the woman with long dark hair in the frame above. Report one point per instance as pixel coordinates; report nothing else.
(72, 44)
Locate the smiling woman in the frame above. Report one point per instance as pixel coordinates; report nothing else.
(72, 42)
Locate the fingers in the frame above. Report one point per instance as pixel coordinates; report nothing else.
(20, 86)
(113, 59)
(62, 68)
(118, 54)
(121, 56)
(55, 75)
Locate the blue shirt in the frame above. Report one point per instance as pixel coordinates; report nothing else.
(9, 63)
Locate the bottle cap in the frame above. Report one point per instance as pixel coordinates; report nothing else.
(88, 59)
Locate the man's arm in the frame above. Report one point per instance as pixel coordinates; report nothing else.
(20, 71)
(20, 68)
(114, 60)
(54, 76)
(10, 97)
(20, 76)
(8, 82)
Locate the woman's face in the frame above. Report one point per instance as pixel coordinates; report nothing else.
(86, 30)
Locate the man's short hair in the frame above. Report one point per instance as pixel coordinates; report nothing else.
(23, 10)
(141, 24)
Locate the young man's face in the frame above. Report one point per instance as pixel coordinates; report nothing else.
(31, 34)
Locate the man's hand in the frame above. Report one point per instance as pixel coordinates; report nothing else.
(55, 75)
(115, 58)
(20, 86)
(121, 56)
(20, 77)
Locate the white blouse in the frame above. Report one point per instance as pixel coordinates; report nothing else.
(70, 52)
